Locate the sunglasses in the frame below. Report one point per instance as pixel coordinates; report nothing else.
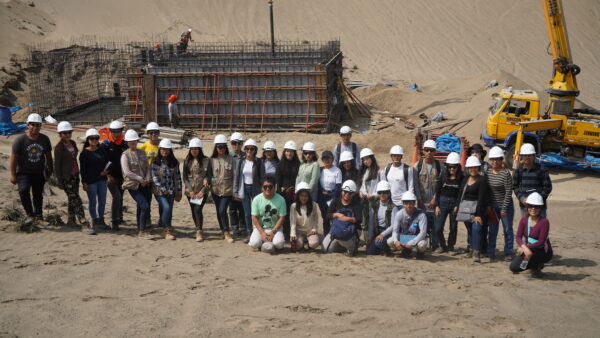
(347, 192)
(499, 159)
(529, 206)
(307, 153)
(235, 143)
(66, 132)
(94, 138)
(221, 146)
(268, 187)
(452, 167)
(429, 150)
(154, 132)
(250, 149)
(386, 192)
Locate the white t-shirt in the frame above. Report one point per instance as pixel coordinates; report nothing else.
(270, 168)
(330, 178)
(397, 181)
(247, 171)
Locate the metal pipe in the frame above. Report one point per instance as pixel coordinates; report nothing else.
(272, 28)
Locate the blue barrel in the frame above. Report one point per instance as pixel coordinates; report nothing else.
(5, 115)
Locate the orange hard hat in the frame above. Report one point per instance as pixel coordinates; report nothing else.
(156, 45)
(172, 98)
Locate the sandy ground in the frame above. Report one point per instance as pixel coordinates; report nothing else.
(60, 282)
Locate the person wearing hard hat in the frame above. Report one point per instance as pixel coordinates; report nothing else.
(330, 185)
(195, 180)
(166, 184)
(66, 170)
(447, 195)
(381, 219)
(221, 176)
(114, 148)
(428, 172)
(270, 160)
(136, 179)
(236, 209)
(348, 168)
(500, 188)
(304, 219)
(247, 184)
(533, 239)
(346, 145)
(287, 170)
(369, 177)
(150, 147)
(530, 177)
(184, 39)
(173, 111)
(478, 151)
(268, 213)
(30, 166)
(346, 218)
(309, 170)
(93, 161)
(472, 207)
(409, 228)
(399, 175)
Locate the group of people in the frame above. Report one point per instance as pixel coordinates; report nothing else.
(268, 201)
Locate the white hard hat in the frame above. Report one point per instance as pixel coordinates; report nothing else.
(291, 145)
(91, 132)
(429, 144)
(496, 152)
(408, 196)
(527, 149)
(250, 143)
(366, 152)
(131, 135)
(64, 126)
(472, 161)
(190, 30)
(269, 145)
(152, 126)
(34, 118)
(195, 143)
(535, 199)
(346, 156)
(302, 186)
(396, 150)
(383, 186)
(220, 139)
(453, 158)
(165, 143)
(345, 130)
(309, 146)
(236, 137)
(349, 186)
(116, 124)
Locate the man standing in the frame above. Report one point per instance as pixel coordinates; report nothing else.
(114, 147)
(30, 165)
(268, 215)
(173, 111)
(530, 177)
(236, 209)
(185, 38)
(398, 175)
(346, 145)
(150, 147)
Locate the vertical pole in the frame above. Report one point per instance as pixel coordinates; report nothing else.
(204, 107)
(264, 107)
(307, 104)
(272, 28)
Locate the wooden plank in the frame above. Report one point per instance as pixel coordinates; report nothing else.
(149, 99)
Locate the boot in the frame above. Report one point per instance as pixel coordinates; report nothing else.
(491, 258)
(199, 236)
(72, 222)
(101, 222)
(227, 237)
(39, 221)
(476, 256)
(169, 233)
(469, 253)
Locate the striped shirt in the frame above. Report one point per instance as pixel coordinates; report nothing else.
(500, 187)
(528, 180)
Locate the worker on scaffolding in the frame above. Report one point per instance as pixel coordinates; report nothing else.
(186, 37)
(173, 111)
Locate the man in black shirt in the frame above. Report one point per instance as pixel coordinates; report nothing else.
(114, 147)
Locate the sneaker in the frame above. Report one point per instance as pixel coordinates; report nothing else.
(476, 256)
(450, 248)
(227, 236)
(199, 236)
(72, 222)
(236, 232)
(169, 233)
(469, 254)
(39, 221)
(509, 257)
(350, 253)
(439, 251)
(491, 258)
(29, 221)
(247, 239)
(88, 230)
(115, 226)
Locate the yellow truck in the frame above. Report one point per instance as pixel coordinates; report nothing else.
(516, 116)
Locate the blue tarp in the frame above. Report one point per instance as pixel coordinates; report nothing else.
(11, 128)
(448, 143)
(555, 160)
(15, 108)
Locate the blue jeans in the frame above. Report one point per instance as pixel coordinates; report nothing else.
(476, 231)
(139, 196)
(446, 205)
(507, 224)
(222, 203)
(97, 189)
(165, 204)
(247, 204)
(376, 247)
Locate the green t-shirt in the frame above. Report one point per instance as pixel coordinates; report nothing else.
(268, 211)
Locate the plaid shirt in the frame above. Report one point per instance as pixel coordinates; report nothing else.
(168, 180)
(536, 179)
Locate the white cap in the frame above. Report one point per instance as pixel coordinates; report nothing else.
(250, 143)
(429, 144)
(396, 150)
(291, 145)
(366, 152)
(34, 118)
(453, 158)
(131, 135)
(165, 143)
(302, 186)
(269, 145)
(91, 132)
(345, 130)
(64, 126)
(472, 161)
(220, 139)
(195, 143)
(346, 156)
(527, 149)
(190, 30)
(535, 199)
(236, 137)
(383, 186)
(116, 124)
(309, 146)
(408, 196)
(152, 126)
(496, 152)
(349, 186)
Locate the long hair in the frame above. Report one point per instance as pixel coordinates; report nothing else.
(171, 161)
(351, 174)
(289, 167)
(188, 160)
(315, 157)
(275, 158)
(215, 154)
(373, 170)
(309, 203)
(459, 172)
